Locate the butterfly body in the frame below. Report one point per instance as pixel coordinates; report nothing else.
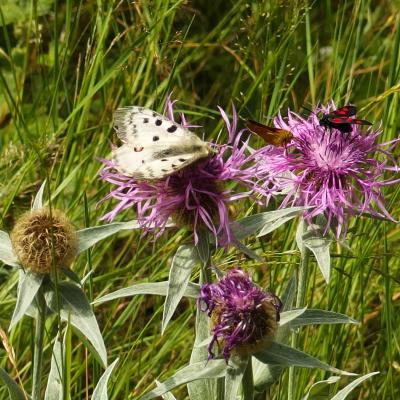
(342, 119)
(274, 136)
(153, 145)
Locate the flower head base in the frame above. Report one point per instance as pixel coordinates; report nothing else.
(39, 236)
(338, 174)
(245, 318)
(195, 196)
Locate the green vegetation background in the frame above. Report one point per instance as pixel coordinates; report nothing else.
(65, 66)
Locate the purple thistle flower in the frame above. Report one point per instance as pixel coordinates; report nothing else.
(195, 196)
(338, 174)
(244, 317)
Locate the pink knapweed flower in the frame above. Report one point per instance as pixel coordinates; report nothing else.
(337, 174)
(195, 196)
(244, 317)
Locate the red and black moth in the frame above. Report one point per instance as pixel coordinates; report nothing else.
(342, 119)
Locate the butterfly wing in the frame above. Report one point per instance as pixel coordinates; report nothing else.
(272, 135)
(154, 146)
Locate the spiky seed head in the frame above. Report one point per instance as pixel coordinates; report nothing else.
(41, 238)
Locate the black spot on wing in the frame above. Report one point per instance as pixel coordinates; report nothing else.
(172, 128)
(155, 138)
(145, 120)
(158, 122)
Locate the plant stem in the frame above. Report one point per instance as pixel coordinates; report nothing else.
(38, 352)
(300, 298)
(247, 382)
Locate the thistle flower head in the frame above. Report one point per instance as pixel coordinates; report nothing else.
(244, 317)
(195, 196)
(338, 174)
(41, 237)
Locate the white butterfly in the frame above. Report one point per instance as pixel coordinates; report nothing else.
(154, 146)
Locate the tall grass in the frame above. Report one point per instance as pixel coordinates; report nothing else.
(66, 66)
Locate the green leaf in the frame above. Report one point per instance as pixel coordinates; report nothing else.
(100, 391)
(15, 392)
(7, 255)
(38, 202)
(288, 316)
(314, 240)
(315, 316)
(280, 354)
(233, 377)
(254, 224)
(90, 236)
(166, 396)
(155, 288)
(183, 262)
(320, 389)
(205, 388)
(28, 285)
(203, 246)
(246, 250)
(54, 388)
(265, 375)
(201, 370)
(271, 226)
(341, 395)
(75, 308)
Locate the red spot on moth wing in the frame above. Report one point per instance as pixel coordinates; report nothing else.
(346, 111)
(341, 120)
(138, 148)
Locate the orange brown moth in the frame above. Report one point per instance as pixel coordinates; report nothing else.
(275, 136)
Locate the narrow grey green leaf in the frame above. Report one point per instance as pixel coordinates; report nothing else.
(255, 223)
(289, 316)
(319, 317)
(54, 388)
(203, 246)
(100, 391)
(28, 285)
(90, 236)
(166, 396)
(287, 297)
(319, 246)
(38, 202)
(320, 388)
(342, 394)
(15, 392)
(246, 250)
(201, 370)
(7, 255)
(265, 375)
(273, 225)
(184, 260)
(280, 354)
(75, 308)
(233, 378)
(299, 234)
(155, 288)
(205, 388)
